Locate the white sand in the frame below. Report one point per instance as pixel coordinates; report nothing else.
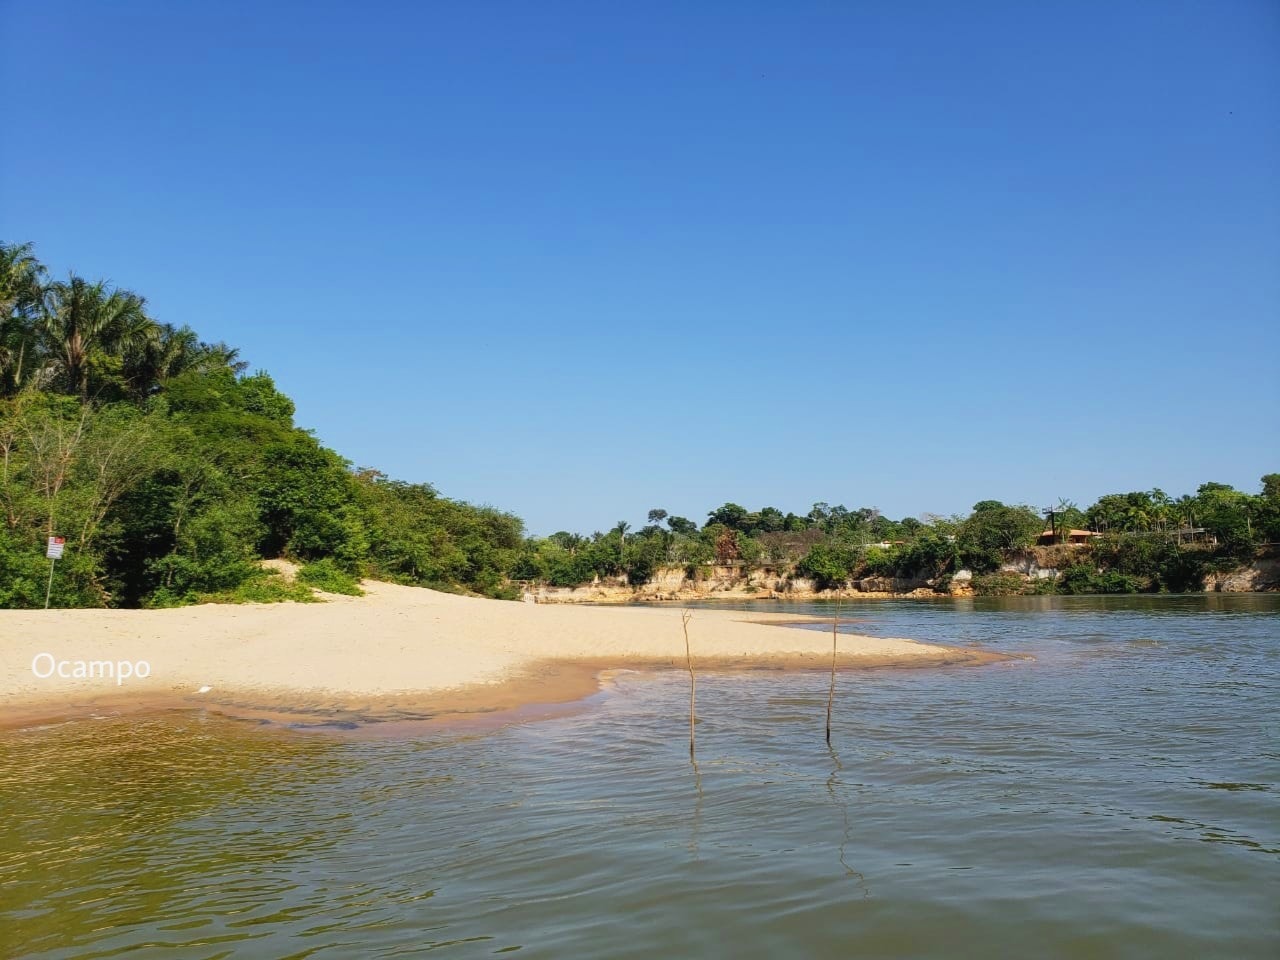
(395, 640)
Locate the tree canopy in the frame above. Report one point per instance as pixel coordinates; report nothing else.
(171, 470)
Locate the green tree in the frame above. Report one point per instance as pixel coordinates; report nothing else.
(1226, 513)
(680, 525)
(730, 515)
(770, 520)
(1271, 486)
(89, 328)
(21, 297)
(829, 566)
(994, 529)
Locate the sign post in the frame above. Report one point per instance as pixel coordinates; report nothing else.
(54, 552)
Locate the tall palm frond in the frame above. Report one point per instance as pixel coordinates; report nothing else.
(21, 294)
(87, 324)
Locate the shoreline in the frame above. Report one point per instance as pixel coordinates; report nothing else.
(552, 689)
(400, 656)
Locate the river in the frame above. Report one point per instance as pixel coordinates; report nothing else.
(1114, 796)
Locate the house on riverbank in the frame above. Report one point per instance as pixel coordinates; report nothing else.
(1078, 537)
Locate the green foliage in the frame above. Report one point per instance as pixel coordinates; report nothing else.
(994, 530)
(1084, 578)
(171, 472)
(265, 588)
(212, 551)
(730, 515)
(881, 561)
(829, 566)
(643, 556)
(680, 525)
(1267, 510)
(1040, 587)
(928, 556)
(998, 585)
(1152, 563)
(416, 536)
(24, 577)
(327, 576)
(1227, 513)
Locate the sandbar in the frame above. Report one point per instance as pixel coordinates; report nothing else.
(396, 655)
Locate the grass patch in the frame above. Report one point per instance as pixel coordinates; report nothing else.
(328, 576)
(268, 588)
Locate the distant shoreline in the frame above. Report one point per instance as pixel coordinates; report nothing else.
(400, 655)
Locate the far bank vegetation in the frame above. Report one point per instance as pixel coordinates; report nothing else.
(1142, 541)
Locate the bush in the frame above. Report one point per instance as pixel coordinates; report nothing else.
(1042, 587)
(326, 575)
(928, 556)
(1083, 578)
(998, 585)
(268, 588)
(24, 578)
(881, 562)
(829, 567)
(505, 591)
(993, 530)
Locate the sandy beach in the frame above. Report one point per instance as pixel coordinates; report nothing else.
(398, 653)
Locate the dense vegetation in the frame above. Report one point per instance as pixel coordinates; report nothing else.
(1148, 541)
(172, 471)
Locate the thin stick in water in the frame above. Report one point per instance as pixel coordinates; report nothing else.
(685, 616)
(831, 692)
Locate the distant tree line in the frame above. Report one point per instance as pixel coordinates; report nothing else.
(1148, 541)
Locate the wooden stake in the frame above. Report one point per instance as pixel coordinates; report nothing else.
(831, 692)
(685, 616)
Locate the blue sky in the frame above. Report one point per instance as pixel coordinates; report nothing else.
(580, 260)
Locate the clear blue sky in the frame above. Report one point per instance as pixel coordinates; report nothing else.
(580, 260)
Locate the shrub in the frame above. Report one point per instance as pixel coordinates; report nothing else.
(1083, 578)
(828, 566)
(326, 575)
(881, 562)
(998, 585)
(504, 591)
(268, 588)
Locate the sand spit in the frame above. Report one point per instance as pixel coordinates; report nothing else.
(396, 654)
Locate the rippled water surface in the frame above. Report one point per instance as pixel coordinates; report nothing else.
(1117, 796)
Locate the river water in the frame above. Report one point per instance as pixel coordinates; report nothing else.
(1114, 797)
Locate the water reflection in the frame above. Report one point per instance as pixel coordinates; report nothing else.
(699, 799)
(834, 784)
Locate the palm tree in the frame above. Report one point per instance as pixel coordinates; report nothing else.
(1186, 507)
(87, 322)
(1162, 509)
(21, 293)
(170, 352)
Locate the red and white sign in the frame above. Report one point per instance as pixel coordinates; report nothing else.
(55, 548)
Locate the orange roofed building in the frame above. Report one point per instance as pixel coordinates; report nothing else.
(1067, 536)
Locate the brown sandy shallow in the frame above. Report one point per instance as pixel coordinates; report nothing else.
(400, 657)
